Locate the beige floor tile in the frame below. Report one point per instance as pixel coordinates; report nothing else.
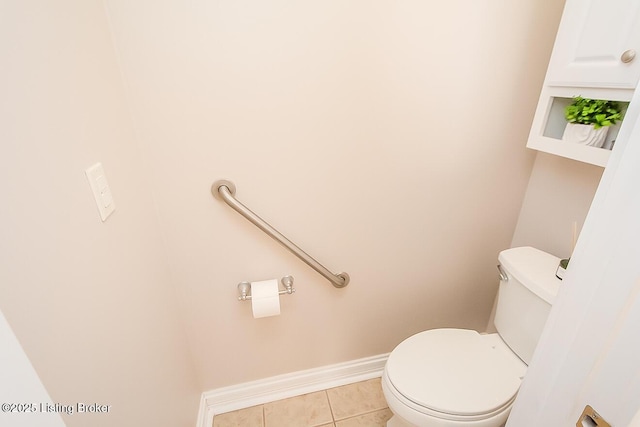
(249, 417)
(356, 399)
(308, 410)
(372, 419)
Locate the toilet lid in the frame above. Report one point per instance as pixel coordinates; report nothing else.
(455, 371)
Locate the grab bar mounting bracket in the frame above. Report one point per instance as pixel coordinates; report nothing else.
(215, 188)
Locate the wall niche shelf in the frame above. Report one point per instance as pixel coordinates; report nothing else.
(549, 123)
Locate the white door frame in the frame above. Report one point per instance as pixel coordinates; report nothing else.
(22, 395)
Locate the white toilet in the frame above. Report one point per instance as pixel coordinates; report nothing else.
(460, 378)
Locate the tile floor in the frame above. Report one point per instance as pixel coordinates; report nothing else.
(352, 405)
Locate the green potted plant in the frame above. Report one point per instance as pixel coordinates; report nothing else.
(589, 120)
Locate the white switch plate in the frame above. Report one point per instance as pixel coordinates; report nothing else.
(101, 192)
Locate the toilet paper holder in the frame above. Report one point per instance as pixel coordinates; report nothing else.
(244, 288)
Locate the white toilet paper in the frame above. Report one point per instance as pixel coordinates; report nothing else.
(265, 300)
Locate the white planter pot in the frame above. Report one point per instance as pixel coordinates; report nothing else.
(585, 134)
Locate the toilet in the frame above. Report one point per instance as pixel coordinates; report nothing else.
(461, 378)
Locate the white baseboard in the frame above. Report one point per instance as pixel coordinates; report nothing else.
(253, 393)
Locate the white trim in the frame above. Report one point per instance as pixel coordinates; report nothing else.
(253, 393)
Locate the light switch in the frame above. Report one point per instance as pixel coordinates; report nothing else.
(105, 192)
(101, 191)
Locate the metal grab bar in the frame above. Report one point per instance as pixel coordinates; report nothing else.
(225, 190)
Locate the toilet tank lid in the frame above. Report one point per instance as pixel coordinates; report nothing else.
(534, 268)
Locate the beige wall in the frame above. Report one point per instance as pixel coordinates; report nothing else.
(385, 138)
(559, 194)
(92, 303)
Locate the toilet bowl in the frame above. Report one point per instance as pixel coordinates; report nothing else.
(452, 377)
(459, 377)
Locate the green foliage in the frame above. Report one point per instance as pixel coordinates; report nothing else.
(596, 112)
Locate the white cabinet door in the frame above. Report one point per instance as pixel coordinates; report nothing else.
(592, 39)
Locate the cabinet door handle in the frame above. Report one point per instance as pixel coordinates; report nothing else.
(628, 56)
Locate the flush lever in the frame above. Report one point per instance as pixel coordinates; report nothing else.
(503, 275)
(590, 418)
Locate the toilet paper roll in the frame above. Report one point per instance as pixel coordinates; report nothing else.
(265, 300)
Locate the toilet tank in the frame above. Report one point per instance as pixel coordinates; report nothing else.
(525, 298)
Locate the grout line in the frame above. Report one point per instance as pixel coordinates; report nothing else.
(333, 417)
(362, 414)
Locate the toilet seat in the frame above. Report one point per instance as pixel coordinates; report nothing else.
(416, 415)
(455, 374)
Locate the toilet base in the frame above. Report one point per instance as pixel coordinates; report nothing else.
(396, 421)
